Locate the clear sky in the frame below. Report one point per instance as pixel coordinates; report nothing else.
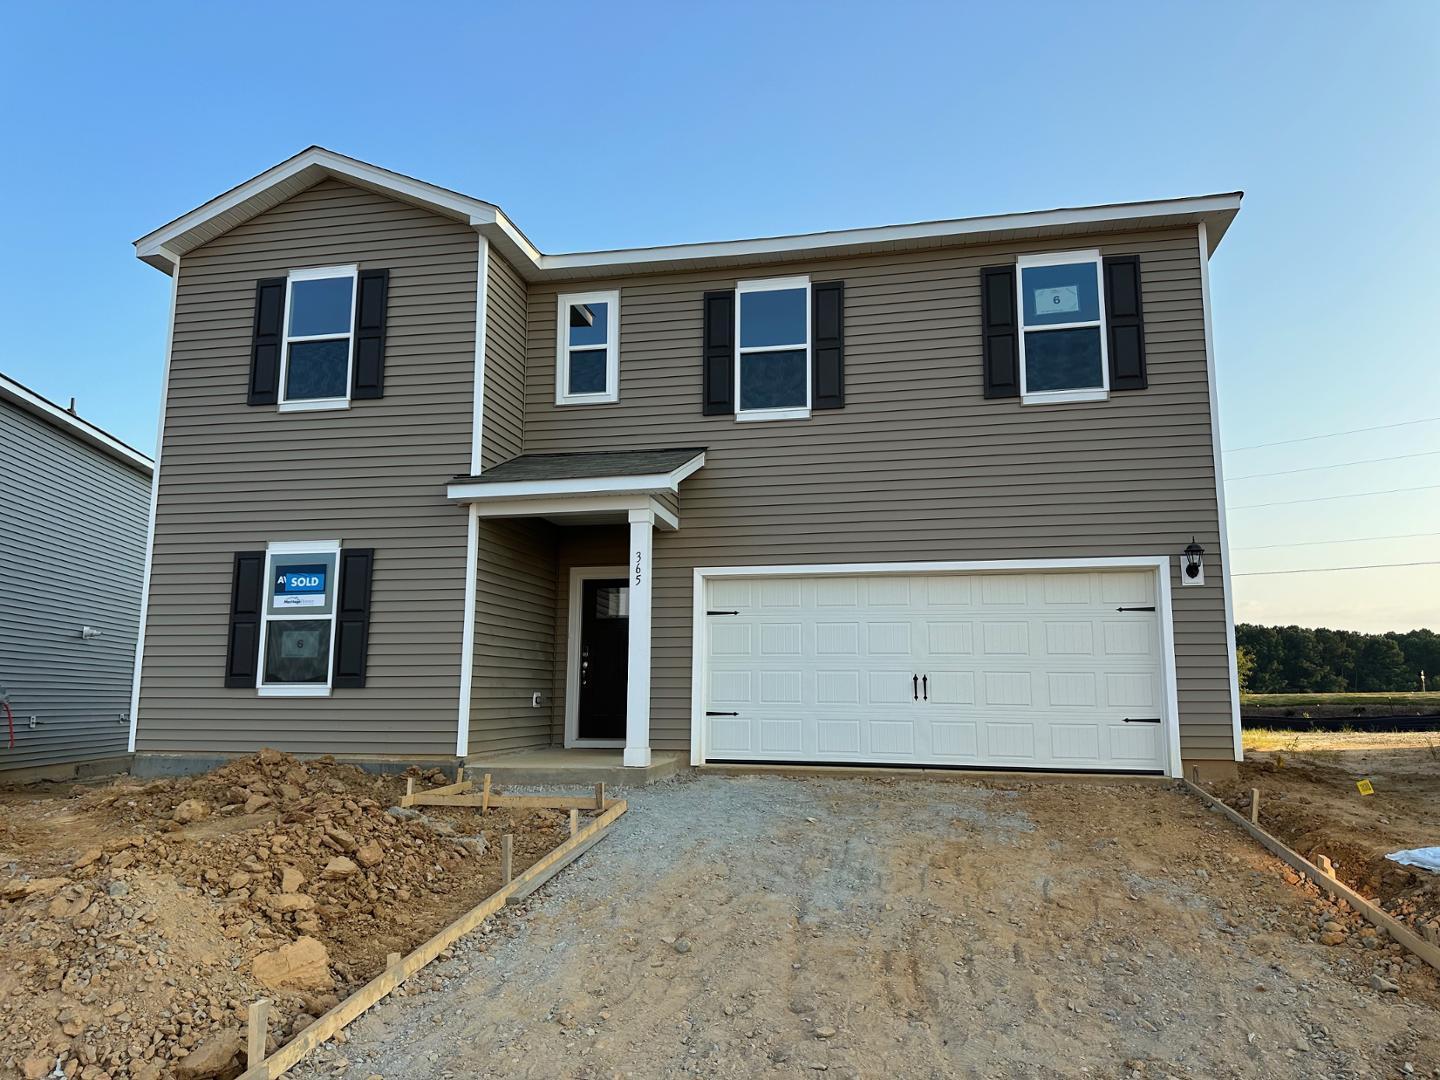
(628, 125)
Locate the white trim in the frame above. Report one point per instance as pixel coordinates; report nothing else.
(588, 504)
(150, 521)
(640, 573)
(563, 348)
(578, 576)
(1063, 258)
(644, 484)
(267, 616)
(318, 273)
(43, 408)
(482, 323)
(777, 284)
(1225, 584)
(1158, 564)
(162, 246)
(467, 631)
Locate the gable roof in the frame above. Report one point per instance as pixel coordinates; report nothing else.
(27, 400)
(162, 247)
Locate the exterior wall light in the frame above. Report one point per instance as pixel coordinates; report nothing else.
(1194, 565)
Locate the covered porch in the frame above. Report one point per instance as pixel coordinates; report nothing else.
(594, 514)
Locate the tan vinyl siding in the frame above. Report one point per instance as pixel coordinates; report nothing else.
(504, 364)
(514, 636)
(234, 477)
(918, 465)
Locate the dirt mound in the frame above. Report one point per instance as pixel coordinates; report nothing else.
(136, 917)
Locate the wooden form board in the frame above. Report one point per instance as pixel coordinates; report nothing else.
(458, 795)
(1336, 888)
(323, 1029)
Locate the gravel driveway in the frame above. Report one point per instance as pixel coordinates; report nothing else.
(908, 928)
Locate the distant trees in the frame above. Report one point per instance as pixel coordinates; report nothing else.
(1296, 660)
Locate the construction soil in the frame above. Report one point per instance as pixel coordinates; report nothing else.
(734, 927)
(1310, 799)
(139, 919)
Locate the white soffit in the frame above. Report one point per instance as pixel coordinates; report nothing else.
(307, 168)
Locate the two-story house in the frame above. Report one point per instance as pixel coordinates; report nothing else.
(943, 493)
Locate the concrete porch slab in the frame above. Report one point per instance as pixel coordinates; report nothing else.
(556, 766)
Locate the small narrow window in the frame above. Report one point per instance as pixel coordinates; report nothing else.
(319, 331)
(298, 619)
(587, 358)
(1062, 314)
(772, 349)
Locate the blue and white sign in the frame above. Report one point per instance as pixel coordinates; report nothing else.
(300, 586)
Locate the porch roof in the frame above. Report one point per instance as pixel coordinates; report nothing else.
(591, 486)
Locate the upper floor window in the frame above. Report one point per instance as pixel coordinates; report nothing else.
(1062, 319)
(772, 354)
(587, 353)
(319, 338)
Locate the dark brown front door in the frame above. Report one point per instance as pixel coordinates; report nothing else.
(604, 658)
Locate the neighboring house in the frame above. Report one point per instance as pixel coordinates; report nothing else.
(916, 494)
(74, 504)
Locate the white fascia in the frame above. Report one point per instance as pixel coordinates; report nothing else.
(646, 484)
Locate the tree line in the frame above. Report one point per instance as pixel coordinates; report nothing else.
(1297, 660)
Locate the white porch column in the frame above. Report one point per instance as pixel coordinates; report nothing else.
(637, 687)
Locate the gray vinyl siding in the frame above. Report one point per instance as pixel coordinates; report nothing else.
(234, 477)
(918, 465)
(72, 554)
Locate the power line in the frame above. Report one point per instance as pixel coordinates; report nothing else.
(1334, 434)
(1335, 569)
(1328, 498)
(1320, 543)
(1339, 465)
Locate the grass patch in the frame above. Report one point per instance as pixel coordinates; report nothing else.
(1429, 699)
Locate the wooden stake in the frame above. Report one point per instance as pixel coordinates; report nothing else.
(459, 774)
(485, 795)
(409, 787)
(574, 821)
(258, 1031)
(599, 797)
(1254, 806)
(391, 959)
(507, 849)
(1325, 865)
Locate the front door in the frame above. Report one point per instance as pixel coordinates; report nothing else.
(604, 658)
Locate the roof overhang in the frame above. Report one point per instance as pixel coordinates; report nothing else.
(22, 397)
(166, 245)
(467, 489)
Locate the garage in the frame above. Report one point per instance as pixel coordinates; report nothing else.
(1051, 669)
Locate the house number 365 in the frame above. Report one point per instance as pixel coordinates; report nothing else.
(637, 567)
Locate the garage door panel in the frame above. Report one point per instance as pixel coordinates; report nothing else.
(1021, 670)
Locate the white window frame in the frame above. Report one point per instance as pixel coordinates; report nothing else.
(319, 273)
(287, 548)
(611, 393)
(1063, 258)
(789, 412)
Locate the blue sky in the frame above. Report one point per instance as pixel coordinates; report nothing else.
(664, 123)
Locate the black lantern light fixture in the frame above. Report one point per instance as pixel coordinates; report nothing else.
(1194, 564)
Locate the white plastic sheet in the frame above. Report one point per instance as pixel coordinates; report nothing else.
(1426, 858)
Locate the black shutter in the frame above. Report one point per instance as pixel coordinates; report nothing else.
(266, 343)
(1000, 327)
(247, 588)
(369, 380)
(827, 345)
(1126, 322)
(352, 617)
(719, 353)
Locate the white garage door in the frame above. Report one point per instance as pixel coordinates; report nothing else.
(1044, 670)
